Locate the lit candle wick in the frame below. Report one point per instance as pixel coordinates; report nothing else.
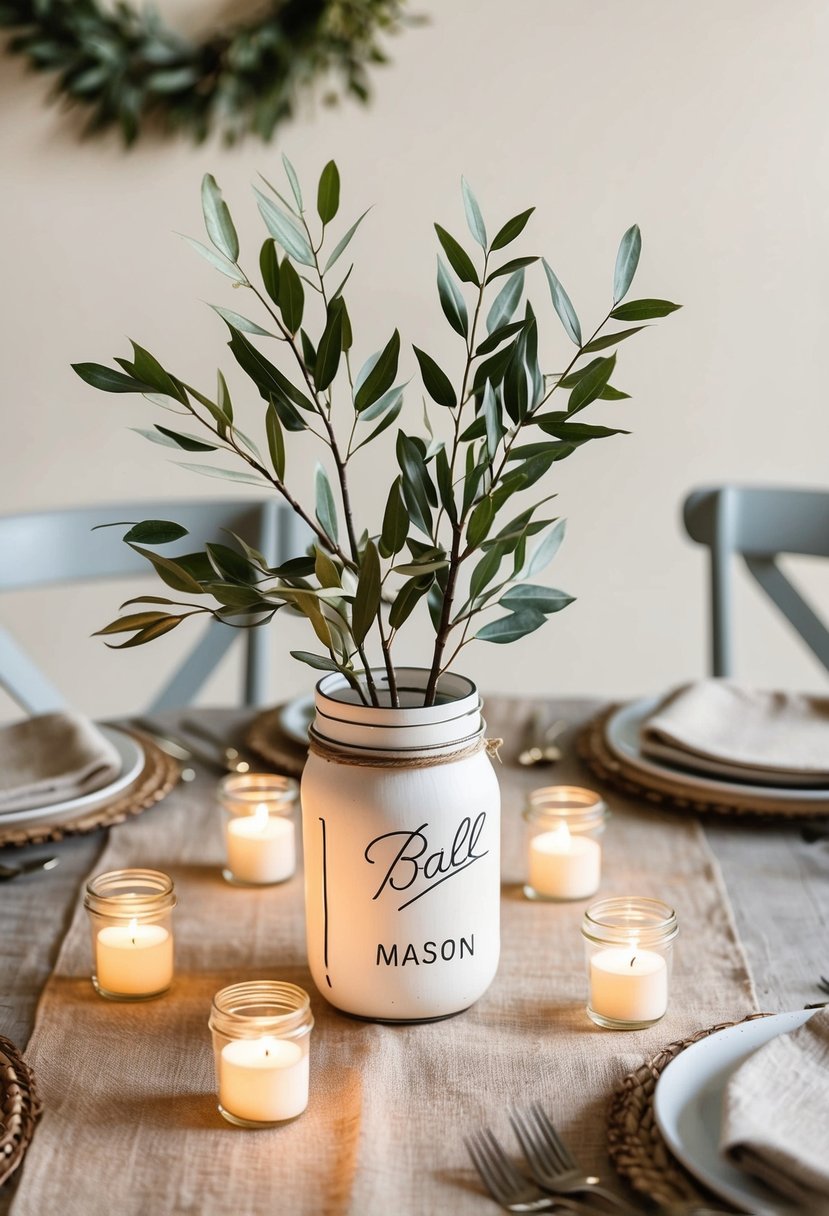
(633, 960)
(133, 929)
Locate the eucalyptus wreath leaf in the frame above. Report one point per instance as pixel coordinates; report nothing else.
(330, 348)
(377, 374)
(452, 302)
(644, 310)
(395, 522)
(285, 230)
(319, 662)
(155, 532)
(627, 259)
(293, 180)
(217, 260)
(367, 600)
(510, 628)
(498, 336)
(611, 339)
(328, 193)
(291, 296)
(108, 380)
(326, 510)
(217, 219)
(505, 303)
(269, 268)
(474, 219)
(459, 259)
(189, 443)
(342, 245)
(510, 267)
(512, 229)
(542, 599)
(435, 381)
(209, 470)
(239, 322)
(276, 440)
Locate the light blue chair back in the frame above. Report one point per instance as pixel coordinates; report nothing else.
(759, 524)
(52, 547)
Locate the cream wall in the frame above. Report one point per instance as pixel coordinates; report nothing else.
(704, 122)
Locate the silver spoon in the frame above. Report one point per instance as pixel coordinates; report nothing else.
(27, 867)
(541, 746)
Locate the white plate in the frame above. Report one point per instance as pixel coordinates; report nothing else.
(622, 734)
(688, 1108)
(296, 716)
(132, 762)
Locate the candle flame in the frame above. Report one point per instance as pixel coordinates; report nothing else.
(260, 817)
(560, 836)
(633, 943)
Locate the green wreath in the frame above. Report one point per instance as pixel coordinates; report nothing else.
(127, 68)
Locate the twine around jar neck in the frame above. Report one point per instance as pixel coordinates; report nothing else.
(319, 746)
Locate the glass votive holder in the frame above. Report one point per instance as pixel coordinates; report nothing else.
(259, 832)
(629, 946)
(130, 917)
(261, 1044)
(564, 852)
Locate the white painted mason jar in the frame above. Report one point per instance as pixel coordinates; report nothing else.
(401, 830)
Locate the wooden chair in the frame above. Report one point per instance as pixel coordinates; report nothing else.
(759, 524)
(53, 547)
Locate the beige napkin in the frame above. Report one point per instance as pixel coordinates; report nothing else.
(52, 758)
(725, 729)
(776, 1114)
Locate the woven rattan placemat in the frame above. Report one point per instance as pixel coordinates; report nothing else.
(634, 1141)
(19, 1108)
(158, 776)
(593, 748)
(268, 740)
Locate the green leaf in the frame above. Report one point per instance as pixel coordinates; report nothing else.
(510, 267)
(146, 368)
(285, 230)
(217, 219)
(326, 510)
(492, 420)
(451, 301)
(372, 384)
(267, 378)
(627, 259)
(134, 620)
(418, 491)
(510, 628)
(155, 532)
(290, 173)
(609, 393)
(395, 396)
(578, 432)
(611, 339)
(590, 385)
(459, 259)
(223, 401)
(545, 552)
(325, 569)
(217, 260)
(445, 487)
(330, 348)
(328, 193)
(561, 303)
(542, 599)
(269, 268)
(512, 229)
(341, 246)
(498, 336)
(644, 310)
(170, 572)
(230, 565)
(188, 442)
(210, 470)
(395, 522)
(485, 571)
(480, 522)
(319, 661)
(436, 382)
(420, 568)
(108, 380)
(367, 599)
(291, 296)
(506, 302)
(149, 633)
(239, 322)
(276, 441)
(407, 599)
(473, 214)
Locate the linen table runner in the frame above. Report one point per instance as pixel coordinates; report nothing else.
(130, 1123)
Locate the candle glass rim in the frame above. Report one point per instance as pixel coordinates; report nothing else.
(544, 807)
(291, 1019)
(612, 921)
(108, 894)
(240, 794)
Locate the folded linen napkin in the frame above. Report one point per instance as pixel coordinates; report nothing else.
(725, 729)
(52, 758)
(776, 1114)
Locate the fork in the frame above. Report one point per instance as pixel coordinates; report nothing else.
(551, 1163)
(505, 1183)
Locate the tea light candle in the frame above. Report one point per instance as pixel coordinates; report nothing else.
(261, 848)
(263, 1080)
(134, 960)
(563, 865)
(628, 984)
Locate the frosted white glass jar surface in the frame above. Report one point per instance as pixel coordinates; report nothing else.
(402, 851)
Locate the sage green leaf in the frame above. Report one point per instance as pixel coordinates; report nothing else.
(510, 267)
(407, 599)
(230, 565)
(267, 378)
(512, 229)
(217, 219)
(318, 661)
(435, 381)
(473, 475)
(239, 322)
(134, 620)
(542, 599)
(546, 551)
(377, 374)
(217, 260)
(644, 310)
(493, 368)
(392, 411)
(170, 572)
(590, 385)
(506, 302)
(108, 380)
(290, 173)
(418, 491)
(393, 397)
(480, 522)
(517, 389)
(155, 532)
(473, 214)
(276, 441)
(328, 193)
(326, 510)
(445, 488)
(627, 259)
(234, 596)
(420, 568)
(485, 571)
(210, 470)
(395, 522)
(452, 302)
(367, 599)
(611, 339)
(510, 628)
(223, 401)
(562, 305)
(341, 245)
(498, 336)
(285, 230)
(459, 259)
(492, 420)
(291, 296)
(189, 443)
(330, 348)
(149, 633)
(146, 368)
(269, 268)
(325, 569)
